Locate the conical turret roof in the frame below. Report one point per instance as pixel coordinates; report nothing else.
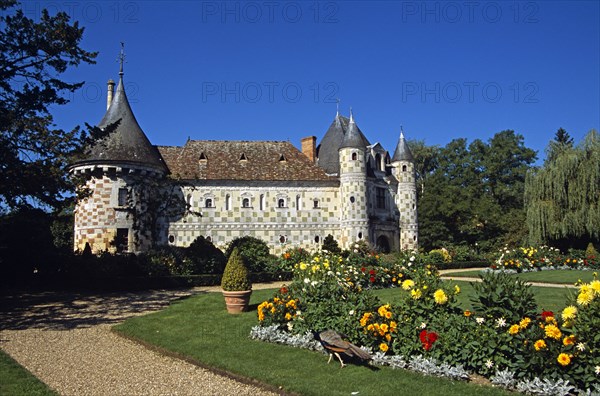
(353, 138)
(402, 152)
(328, 155)
(127, 144)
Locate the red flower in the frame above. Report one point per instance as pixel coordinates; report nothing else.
(372, 279)
(363, 269)
(283, 290)
(427, 339)
(547, 314)
(372, 272)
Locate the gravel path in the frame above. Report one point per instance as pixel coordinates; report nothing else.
(65, 341)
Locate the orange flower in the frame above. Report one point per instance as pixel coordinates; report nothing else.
(468, 313)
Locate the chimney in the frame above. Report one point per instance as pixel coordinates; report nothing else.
(111, 90)
(309, 147)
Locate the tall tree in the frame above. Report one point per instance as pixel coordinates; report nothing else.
(475, 193)
(562, 140)
(33, 153)
(563, 197)
(425, 162)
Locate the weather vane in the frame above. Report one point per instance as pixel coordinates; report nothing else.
(121, 58)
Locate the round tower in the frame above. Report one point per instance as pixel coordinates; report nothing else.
(114, 179)
(353, 186)
(403, 169)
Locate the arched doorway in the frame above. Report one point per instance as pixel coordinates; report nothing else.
(383, 245)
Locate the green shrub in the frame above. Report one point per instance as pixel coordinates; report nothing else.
(331, 245)
(590, 251)
(236, 276)
(205, 258)
(254, 251)
(500, 295)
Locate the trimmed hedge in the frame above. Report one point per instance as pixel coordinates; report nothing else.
(461, 265)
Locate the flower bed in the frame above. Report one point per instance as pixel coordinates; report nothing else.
(525, 259)
(503, 338)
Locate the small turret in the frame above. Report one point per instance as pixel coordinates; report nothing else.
(403, 169)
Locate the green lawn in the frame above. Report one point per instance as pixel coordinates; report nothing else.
(556, 276)
(201, 329)
(547, 298)
(15, 380)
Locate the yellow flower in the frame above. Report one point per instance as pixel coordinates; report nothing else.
(288, 316)
(303, 266)
(553, 332)
(388, 315)
(569, 340)
(383, 310)
(467, 313)
(315, 268)
(569, 313)
(383, 347)
(370, 327)
(539, 344)
(595, 286)
(416, 294)
(408, 284)
(584, 298)
(384, 328)
(564, 359)
(456, 289)
(388, 337)
(524, 323)
(514, 329)
(440, 297)
(393, 326)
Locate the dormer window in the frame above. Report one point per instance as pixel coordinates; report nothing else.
(281, 203)
(246, 203)
(354, 156)
(243, 157)
(282, 158)
(208, 203)
(202, 157)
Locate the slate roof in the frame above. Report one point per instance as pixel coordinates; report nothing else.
(402, 152)
(240, 160)
(328, 156)
(128, 144)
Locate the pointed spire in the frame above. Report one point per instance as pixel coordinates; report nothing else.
(352, 138)
(121, 58)
(402, 152)
(337, 107)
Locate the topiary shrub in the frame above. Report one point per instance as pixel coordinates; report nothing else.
(590, 251)
(204, 257)
(254, 251)
(236, 276)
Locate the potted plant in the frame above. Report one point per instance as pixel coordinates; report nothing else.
(236, 284)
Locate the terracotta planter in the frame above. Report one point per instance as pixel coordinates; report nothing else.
(237, 301)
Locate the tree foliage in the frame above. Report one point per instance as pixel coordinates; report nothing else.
(563, 197)
(473, 193)
(33, 153)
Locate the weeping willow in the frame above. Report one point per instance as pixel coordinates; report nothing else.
(562, 198)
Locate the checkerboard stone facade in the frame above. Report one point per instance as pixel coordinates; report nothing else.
(265, 189)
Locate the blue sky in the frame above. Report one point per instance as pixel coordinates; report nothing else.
(272, 70)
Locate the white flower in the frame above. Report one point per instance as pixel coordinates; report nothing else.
(597, 370)
(581, 346)
(356, 245)
(480, 320)
(351, 312)
(290, 326)
(355, 251)
(314, 283)
(489, 364)
(412, 258)
(423, 325)
(500, 322)
(306, 280)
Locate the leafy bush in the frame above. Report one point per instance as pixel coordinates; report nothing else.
(500, 295)
(205, 257)
(236, 276)
(254, 251)
(331, 245)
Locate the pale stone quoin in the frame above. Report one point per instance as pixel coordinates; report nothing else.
(344, 186)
